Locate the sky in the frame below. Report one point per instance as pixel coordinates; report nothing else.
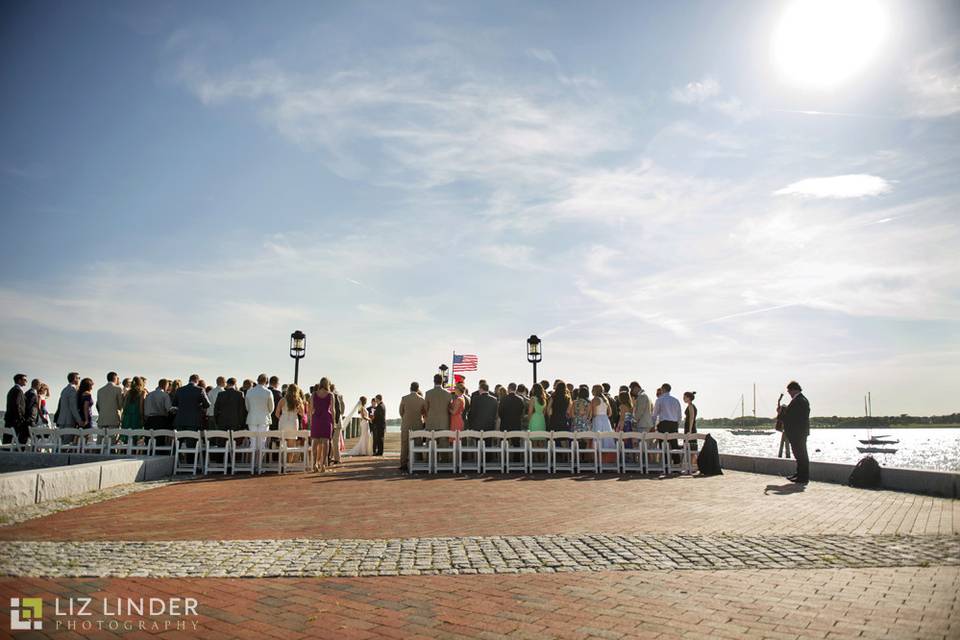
(710, 194)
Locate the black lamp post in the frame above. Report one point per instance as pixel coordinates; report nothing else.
(443, 374)
(298, 348)
(534, 355)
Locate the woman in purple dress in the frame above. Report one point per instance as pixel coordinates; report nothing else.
(321, 426)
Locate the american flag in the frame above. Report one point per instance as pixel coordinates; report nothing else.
(464, 362)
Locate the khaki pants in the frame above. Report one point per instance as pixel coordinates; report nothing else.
(335, 443)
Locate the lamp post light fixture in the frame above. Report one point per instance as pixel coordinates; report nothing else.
(443, 374)
(534, 354)
(298, 348)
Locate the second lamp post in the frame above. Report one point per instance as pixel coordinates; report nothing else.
(534, 355)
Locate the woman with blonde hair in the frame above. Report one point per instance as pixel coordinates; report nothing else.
(600, 411)
(289, 412)
(321, 427)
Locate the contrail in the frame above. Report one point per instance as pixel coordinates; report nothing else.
(750, 313)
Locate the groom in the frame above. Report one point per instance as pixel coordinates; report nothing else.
(378, 425)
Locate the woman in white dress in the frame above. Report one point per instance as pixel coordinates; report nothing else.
(364, 446)
(600, 410)
(290, 411)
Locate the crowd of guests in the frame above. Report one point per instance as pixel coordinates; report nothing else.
(255, 406)
(558, 407)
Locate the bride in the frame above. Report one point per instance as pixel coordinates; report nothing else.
(364, 446)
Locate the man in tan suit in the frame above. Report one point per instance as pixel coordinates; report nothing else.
(412, 411)
(109, 403)
(642, 409)
(438, 406)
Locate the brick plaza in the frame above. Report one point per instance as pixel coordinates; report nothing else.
(367, 552)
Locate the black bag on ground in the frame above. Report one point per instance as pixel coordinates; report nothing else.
(708, 460)
(866, 475)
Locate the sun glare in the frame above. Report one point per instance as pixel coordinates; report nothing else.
(821, 43)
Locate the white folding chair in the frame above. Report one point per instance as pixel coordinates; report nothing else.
(677, 450)
(217, 442)
(654, 460)
(420, 451)
(609, 444)
(14, 440)
(631, 452)
(587, 457)
(298, 454)
(688, 440)
(270, 457)
(444, 451)
(187, 449)
(43, 439)
(517, 444)
(139, 444)
(96, 441)
(563, 452)
(121, 444)
(243, 451)
(162, 442)
(69, 440)
(470, 444)
(493, 444)
(539, 459)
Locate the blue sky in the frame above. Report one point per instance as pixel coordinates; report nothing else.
(650, 187)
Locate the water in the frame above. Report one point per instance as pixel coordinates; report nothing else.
(936, 449)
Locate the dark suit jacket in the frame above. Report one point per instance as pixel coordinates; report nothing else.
(379, 417)
(483, 412)
(230, 410)
(511, 412)
(277, 397)
(191, 402)
(796, 417)
(31, 407)
(16, 413)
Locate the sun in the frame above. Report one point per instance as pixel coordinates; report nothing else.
(818, 44)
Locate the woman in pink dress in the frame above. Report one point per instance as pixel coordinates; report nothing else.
(456, 409)
(321, 426)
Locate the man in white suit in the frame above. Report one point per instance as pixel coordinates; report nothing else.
(260, 405)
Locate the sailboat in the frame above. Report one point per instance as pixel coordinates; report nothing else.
(879, 443)
(749, 432)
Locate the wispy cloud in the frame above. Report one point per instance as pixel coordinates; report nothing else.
(846, 186)
(933, 84)
(696, 92)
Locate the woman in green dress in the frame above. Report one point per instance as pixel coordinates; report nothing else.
(133, 405)
(538, 400)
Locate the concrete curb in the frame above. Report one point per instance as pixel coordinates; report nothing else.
(937, 483)
(73, 474)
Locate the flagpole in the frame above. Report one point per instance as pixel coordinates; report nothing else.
(453, 358)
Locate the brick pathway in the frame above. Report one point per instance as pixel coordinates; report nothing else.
(760, 558)
(783, 604)
(368, 500)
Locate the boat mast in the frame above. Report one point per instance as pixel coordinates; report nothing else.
(741, 411)
(754, 400)
(869, 404)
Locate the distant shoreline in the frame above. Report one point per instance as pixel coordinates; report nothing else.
(767, 427)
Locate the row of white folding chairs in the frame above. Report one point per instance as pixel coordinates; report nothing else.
(218, 451)
(550, 451)
(191, 448)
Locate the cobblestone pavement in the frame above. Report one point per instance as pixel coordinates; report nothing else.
(782, 604)
(470, 555)
(369, 499)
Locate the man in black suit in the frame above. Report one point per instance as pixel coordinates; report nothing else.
(483, 409)
(32, 403)
(277, 397)
(378, 426)
(230, 410)
(511, 410)
(191, 403)
(16, 415)
(796, 426)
